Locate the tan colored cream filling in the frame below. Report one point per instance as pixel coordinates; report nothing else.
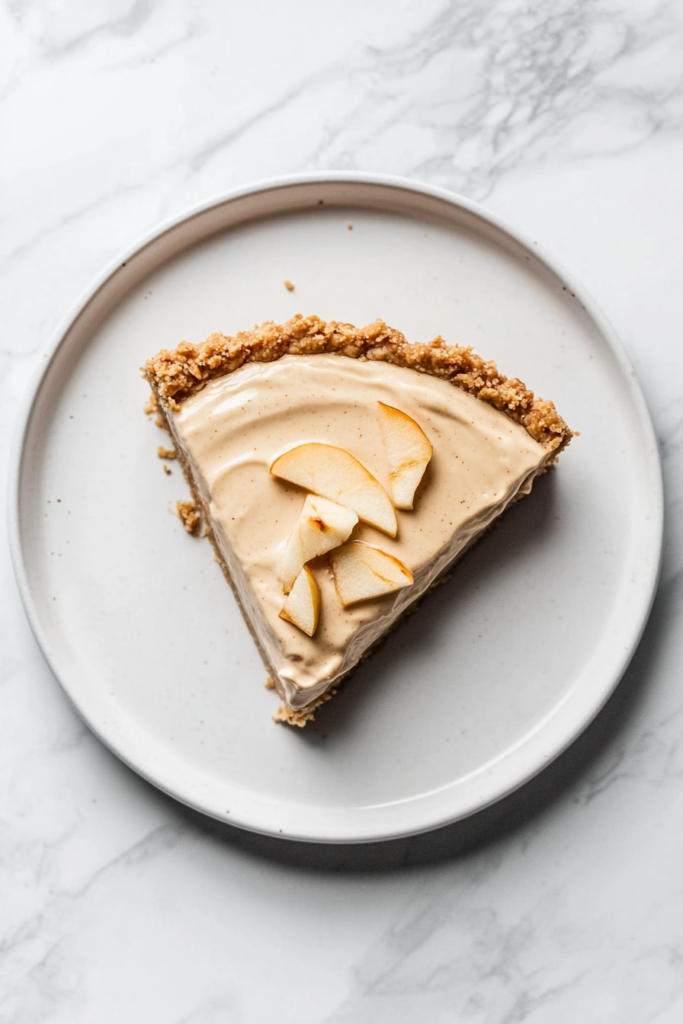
(232, 430)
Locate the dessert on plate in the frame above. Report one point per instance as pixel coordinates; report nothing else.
(339, 473)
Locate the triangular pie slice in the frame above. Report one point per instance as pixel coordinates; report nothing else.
(431, 416)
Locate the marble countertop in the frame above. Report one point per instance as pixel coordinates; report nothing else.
(561, 904)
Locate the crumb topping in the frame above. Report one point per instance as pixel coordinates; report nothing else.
(166, 453)
(175, 375)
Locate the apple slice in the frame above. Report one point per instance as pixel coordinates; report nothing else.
(335, 474)
(408, 452)
(302, 607)
(322, 525)
(361, 572)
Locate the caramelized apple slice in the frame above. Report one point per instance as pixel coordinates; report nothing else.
(322, 525)
(302, 607)
(335, 474)
(408, 452)
(361, 572)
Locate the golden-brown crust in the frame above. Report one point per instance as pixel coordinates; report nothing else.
(176, 375)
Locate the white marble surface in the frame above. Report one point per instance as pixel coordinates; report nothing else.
(564, 903)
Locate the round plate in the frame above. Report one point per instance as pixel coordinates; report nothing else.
(495, 673)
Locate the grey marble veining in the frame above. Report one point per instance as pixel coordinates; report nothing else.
(564, 902)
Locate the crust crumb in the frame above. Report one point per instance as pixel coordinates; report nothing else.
(188, 514)
(299, 718)
(166, 470)
(269, 684)
(289, 286)
(165, 453)
(289, 717)
(151, 405)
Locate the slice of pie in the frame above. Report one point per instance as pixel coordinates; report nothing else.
(339, 472)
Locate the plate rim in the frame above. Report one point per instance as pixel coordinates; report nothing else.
(647, 590)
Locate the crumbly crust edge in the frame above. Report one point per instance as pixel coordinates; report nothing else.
(175, 375)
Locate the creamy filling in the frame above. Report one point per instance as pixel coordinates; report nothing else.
(232, 430)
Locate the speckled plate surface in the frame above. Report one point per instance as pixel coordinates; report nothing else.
(494, 675)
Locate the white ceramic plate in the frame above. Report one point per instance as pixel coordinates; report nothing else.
(494, 675)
